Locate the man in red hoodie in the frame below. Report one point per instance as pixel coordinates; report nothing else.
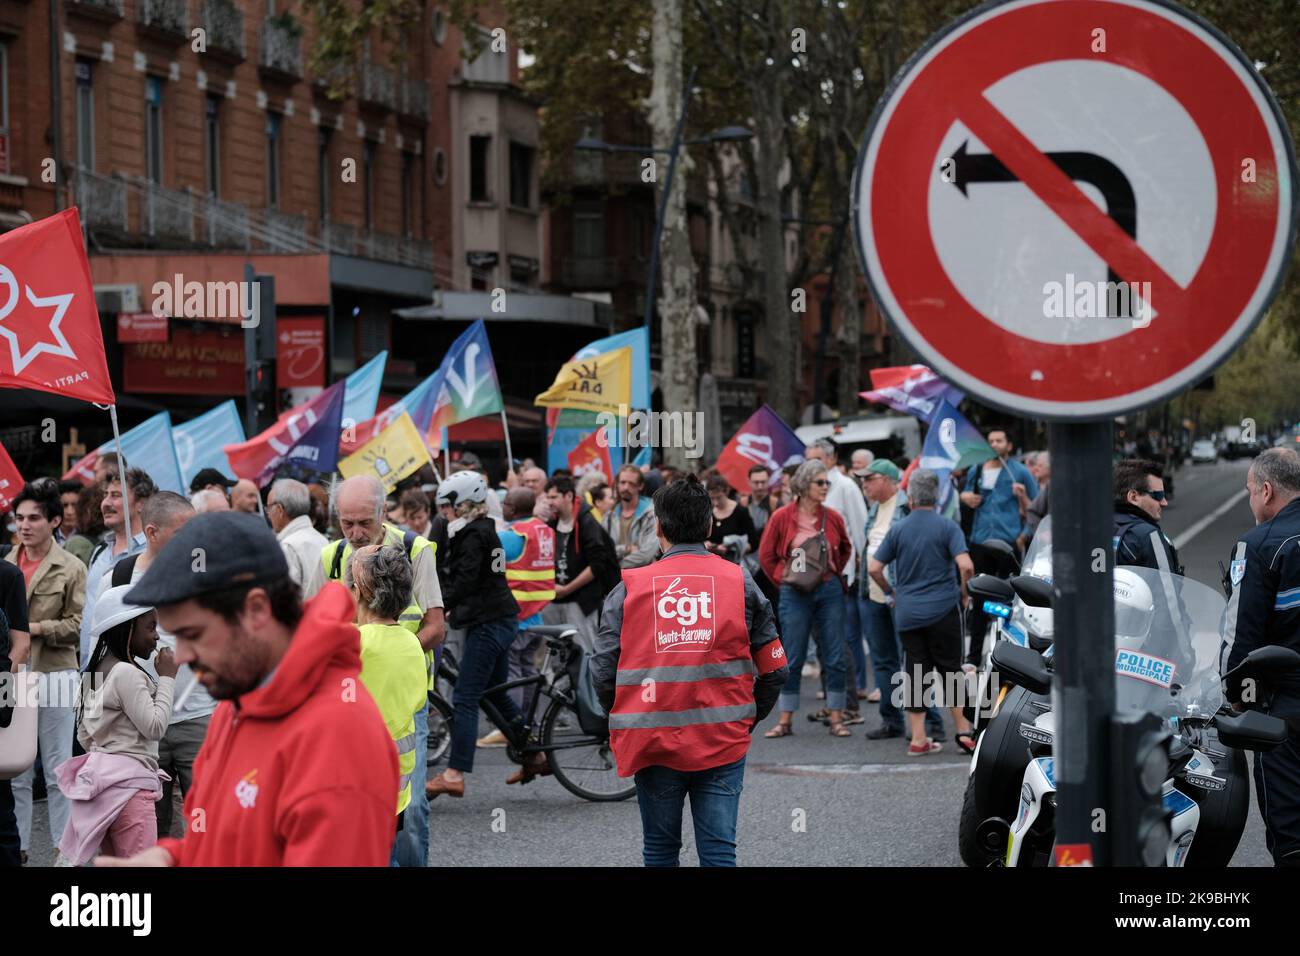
(298, 768)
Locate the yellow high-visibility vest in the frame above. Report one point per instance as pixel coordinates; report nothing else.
(393, 670)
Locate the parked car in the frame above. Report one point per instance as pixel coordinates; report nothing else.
(1204, 451)
(1243, 449)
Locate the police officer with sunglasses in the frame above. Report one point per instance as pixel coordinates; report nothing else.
(1139, 502)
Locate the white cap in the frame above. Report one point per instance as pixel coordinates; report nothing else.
(111, 609)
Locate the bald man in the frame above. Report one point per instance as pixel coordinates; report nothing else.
(245, 497)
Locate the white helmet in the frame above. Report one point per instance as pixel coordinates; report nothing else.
(462, 486)
(1134, 608)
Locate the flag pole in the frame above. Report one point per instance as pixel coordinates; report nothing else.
(510, 455)
(121, 460)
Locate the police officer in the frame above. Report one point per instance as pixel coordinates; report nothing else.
(1139, 502)
(1263, 609)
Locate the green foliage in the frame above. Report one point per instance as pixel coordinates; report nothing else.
(342, 29)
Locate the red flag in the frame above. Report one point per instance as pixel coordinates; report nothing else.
(50, 337)
(84, 470)
(307, 438)
(10, 481)
(591, 454)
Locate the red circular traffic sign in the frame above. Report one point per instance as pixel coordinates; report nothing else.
(1039, 162)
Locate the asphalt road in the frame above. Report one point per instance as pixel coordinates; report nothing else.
(809, 799)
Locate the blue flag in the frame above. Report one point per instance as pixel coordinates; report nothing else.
(306, 440)
(149, 446)
(362, 392)
(951, 443)
(199, 441)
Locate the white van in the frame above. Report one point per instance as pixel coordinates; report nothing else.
(885, 436)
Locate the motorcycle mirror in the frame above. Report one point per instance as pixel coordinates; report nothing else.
(989, 588)
(1033, 591)
(1251, 730)
(1022, 667)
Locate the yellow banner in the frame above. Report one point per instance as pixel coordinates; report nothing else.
(598, 384)
(390, 456)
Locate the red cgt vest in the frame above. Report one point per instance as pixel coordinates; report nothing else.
(531, 576)
(684, 694)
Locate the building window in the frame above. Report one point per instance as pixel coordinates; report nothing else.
(85, 115)
(273, 121)
(588, 230)
(212, 129)
(480, 148)
(744, 344)
(153, 133)
(439, 166)
(324, 171)
(640, 234)
(368, 185)
(521, 175)
(408, 194)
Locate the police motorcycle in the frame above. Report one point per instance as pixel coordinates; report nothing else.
(1020, 616)
(1167, 645)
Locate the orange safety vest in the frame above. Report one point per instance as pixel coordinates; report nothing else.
(531, 576)
(684, 691)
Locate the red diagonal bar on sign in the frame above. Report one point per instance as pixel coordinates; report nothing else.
(1079, 213)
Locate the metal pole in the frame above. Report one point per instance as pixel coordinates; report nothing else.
(652, 279)
(121, 460)
(1083, 694)
(828, 301)
(505, 427)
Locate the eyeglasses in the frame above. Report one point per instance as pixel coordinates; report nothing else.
(819, 481)
(1157, 495)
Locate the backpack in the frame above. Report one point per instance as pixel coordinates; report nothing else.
(122, 571)
(591, 715)
(607, 570)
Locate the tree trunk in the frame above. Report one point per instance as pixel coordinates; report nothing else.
(782, 324)
(680, 370)
(850, 337)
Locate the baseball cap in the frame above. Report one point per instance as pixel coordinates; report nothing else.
(883, 466)
(236, 548)
(210, 476)
(468, 461)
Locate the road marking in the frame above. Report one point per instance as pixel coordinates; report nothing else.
(818, 769)
(1209, 519)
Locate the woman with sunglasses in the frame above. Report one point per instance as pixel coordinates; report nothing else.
(804, 548)
(1139, 503)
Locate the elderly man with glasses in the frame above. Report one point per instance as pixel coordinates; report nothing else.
(288, 507)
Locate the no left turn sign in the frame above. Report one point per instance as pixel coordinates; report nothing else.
(1075, 208)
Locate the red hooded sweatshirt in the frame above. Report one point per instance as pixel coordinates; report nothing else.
(302, 770)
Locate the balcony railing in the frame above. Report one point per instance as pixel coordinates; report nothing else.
(227, 224)
(281, 52)
(166, 214)
(223, 24)
(285, 232)
(417, 252)
(165, 19)
(589, 272)
(102, 200)
(378, 86)
(380, 245)
(339, 237)
(415, 99)
(108, 10)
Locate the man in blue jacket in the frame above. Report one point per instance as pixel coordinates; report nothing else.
(999, 491)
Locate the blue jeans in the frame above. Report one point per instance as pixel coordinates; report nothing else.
(886, 661)
(485, 663)
(853, 626)
(798, 610)
(411, 848)
(715, 805)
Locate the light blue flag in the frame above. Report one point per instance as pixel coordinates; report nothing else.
(149, 446)
(951, 443)
(638, 340)
(199, 441)
(361, 394)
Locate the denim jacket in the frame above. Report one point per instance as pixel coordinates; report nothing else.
(873, 508)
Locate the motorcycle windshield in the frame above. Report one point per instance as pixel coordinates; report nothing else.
(1038, 556)
(1166, 644)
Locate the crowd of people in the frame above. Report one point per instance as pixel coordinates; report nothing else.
(133, 632)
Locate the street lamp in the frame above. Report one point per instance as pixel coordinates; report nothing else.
(727, 134)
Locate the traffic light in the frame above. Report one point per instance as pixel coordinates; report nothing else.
(259, 352)
(1139, 822)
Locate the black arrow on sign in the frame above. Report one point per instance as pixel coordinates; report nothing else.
(1121, 204)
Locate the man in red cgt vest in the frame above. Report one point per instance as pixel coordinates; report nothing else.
(686, 663)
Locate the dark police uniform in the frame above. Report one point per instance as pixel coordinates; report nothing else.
(1139, 541)
(1263, 609)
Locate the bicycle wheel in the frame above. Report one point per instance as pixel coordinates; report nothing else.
(587, 769)
(440, 723)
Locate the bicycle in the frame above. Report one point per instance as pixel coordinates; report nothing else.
(583, 763)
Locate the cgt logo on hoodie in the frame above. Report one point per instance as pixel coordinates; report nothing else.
(246, 790)
(684, 607)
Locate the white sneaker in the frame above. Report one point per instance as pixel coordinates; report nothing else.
(811, 670)
(494, 739)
